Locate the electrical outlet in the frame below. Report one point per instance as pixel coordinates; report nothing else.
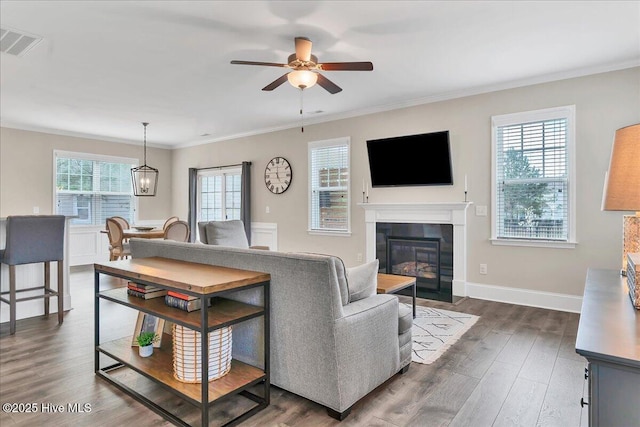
(36, 210)
(481, 210)
(267, 210)
(483, 268)
(359, 257)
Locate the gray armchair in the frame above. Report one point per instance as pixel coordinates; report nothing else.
(225, 233)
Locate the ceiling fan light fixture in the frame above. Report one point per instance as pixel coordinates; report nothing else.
(302, 79)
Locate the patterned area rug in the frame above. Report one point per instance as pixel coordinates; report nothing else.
(435, 330)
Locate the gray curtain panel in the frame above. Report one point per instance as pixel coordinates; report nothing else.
(245, 205)
(193, 200)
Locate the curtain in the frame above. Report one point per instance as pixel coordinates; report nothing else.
(193, 199)
(245, 204)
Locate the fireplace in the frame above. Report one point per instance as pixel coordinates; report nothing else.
(416, 216)
(423, 251)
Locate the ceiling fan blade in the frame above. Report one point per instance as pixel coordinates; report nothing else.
(303, 48)
(277, 82)
(346, 66)
(268, 64)
(327, 84)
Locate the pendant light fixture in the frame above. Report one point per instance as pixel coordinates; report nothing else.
(145, 178)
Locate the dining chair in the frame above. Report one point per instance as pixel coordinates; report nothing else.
(169, 221)
(123, 222)
(118, 248)
(178, 231)
(34, 239)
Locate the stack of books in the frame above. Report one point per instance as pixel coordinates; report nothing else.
(183, 301)
(145, 291)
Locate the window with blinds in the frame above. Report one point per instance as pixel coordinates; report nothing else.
(533, 185)
(329, 185)
(92, 188)
(219, 194)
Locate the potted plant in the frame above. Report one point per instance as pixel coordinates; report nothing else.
(145, 341)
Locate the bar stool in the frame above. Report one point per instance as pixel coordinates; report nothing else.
(34, 239)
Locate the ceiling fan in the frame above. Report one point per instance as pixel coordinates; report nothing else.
(305, 68)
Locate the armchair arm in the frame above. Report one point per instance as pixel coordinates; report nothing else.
(367, 346)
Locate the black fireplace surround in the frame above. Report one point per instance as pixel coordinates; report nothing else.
(423, 251)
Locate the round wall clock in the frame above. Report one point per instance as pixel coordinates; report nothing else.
(277, 175)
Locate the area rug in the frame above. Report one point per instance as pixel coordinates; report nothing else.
(435, 330)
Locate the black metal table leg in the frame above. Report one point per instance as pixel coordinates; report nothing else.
(414, 298)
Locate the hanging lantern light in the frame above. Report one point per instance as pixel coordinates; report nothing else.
(145, 178)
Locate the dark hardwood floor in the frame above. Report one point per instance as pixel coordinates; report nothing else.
(516, 366)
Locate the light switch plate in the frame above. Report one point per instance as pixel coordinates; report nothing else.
(481, 210)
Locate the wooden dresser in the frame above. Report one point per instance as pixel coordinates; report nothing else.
(609, 338)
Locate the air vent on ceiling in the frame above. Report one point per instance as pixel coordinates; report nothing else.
(17, 43)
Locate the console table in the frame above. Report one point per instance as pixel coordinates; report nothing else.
(202, 281)
(609, 338)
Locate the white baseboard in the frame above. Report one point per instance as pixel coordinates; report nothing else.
(528, 297)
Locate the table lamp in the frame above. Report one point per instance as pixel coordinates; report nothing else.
(622, 186)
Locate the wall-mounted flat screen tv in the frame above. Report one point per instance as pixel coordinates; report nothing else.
(423, 159)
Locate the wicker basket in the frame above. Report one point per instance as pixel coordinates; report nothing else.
(187, 354)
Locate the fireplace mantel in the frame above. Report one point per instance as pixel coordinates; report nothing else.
(454, 213)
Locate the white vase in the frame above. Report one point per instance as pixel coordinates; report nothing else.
(145, 351)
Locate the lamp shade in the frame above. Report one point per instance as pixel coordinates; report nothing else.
(302, 79)
(622, 189)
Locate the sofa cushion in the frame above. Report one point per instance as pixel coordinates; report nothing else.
(405, 318)
(362, 280)
(227, 233)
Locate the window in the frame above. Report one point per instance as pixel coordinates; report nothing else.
(329, 186)
(219, 194)
(93, 187)
(533, 189)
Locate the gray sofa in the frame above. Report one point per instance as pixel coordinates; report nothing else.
(323, 347)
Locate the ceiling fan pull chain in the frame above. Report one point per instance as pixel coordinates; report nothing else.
(301, 115)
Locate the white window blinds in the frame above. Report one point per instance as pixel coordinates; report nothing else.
(92, 189)
(329, 185)
(532, 184)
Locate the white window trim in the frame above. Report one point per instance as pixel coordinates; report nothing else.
(92, 157)
(213, 172)
(569, 112)
(328, 143)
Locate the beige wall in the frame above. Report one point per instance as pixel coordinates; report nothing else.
(26, 171)
(604, 103)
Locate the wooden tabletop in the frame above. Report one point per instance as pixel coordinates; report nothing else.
(151, 234)
(189, 276)
(157, 233)
(389, 283)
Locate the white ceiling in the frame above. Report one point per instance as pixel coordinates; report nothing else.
(105, 66)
